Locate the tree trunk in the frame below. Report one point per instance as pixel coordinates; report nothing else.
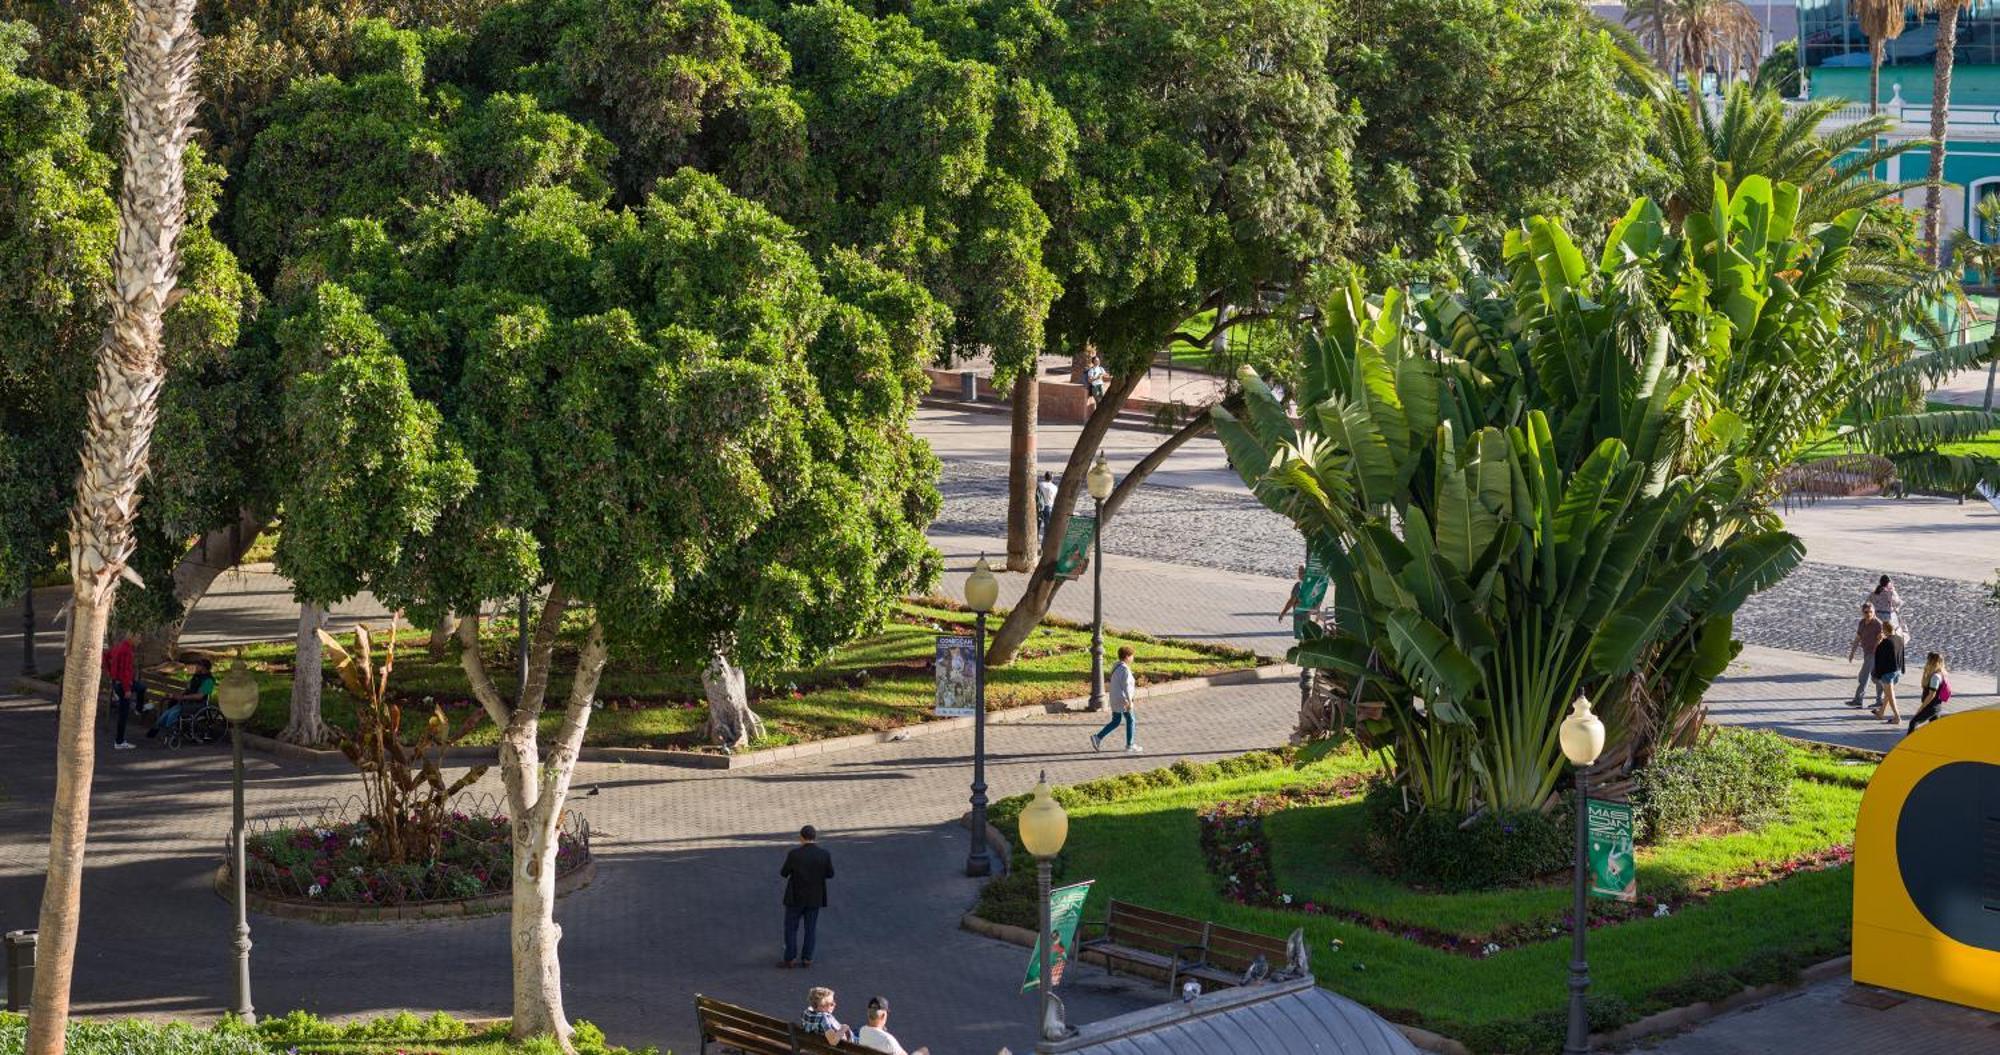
(441, 635)
(535, 795)
(1875, 76)
(217, 551)
(1027, 407)
(1947, 43)
(305, 726)
(731, 722)
(157, 101)
(1034, 603)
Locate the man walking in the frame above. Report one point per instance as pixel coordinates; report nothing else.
(807, 868)
(1866, 636)
(1121, 685)
(1045, 503)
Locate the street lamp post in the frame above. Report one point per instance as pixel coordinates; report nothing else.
(1099, 481)
(1044, 826)
(237, 695)
(981, 591)
(1582, 737)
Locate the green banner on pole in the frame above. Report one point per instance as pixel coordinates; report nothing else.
(1065, 914)
(1612, 871)
(1074, 556)
(1312, 594)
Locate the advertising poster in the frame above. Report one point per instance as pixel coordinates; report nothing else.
(1074, 556)
(1065, 914)
(1612, 871)
(957, 666)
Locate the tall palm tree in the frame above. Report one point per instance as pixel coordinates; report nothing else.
(1881, 22)
(1697, 35)
(157, 95)
(1947, 43)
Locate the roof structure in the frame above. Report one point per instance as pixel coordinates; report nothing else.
(1293, 1017)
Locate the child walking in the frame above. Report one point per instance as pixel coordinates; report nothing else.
(1122, 684)
(1936, 689)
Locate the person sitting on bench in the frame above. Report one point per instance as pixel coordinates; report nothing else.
(201, 685)
(875, 1036)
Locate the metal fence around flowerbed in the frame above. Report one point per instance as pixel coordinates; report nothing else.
(322, 862)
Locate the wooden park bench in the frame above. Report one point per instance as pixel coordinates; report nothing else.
(738, 1029)
(1180, 946)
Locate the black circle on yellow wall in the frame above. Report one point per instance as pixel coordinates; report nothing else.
(1948, 850)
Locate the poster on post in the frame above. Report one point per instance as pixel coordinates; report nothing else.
(1612, 871)
(1312, 594)
(957, 666)
(1065, 914)
(1074, 556)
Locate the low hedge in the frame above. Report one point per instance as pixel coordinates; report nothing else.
(299, 1033)
(1732, 777)
(1442, 850)
(1013, 899)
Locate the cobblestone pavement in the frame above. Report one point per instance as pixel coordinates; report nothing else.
(1836, 1026)
(1815, 609)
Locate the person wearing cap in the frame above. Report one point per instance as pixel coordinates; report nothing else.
(875, 1035)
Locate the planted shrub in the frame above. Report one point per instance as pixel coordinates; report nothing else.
(1741, 778)
(1439, 849)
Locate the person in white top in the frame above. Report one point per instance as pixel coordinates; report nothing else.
(1121, 685)
(1045, 503)
(1886, 601)
(875, 1036)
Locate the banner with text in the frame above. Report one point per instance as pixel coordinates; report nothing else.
(1612, 873)
(957, 666)
(1065, 914)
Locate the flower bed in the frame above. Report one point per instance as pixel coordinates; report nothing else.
(333, 864)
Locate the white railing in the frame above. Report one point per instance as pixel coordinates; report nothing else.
(1913, 119)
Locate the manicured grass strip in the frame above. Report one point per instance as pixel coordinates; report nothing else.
(879, 682)
(1145, 848)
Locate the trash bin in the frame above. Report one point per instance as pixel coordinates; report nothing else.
(968, 386)
(20, 968)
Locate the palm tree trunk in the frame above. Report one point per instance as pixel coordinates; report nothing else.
(158, 100)
(1875, 76)
(1947, 43)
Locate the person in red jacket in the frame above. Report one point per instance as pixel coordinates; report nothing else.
(122, 673)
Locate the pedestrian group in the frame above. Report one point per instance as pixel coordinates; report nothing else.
(1880, 640)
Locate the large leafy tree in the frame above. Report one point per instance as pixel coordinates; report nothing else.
(57, 222)
(1488, 109)
(1692, 37)
(669, 423)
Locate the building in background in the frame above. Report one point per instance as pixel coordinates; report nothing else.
(1780, 20)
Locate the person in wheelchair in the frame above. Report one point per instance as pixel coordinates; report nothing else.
(201, 685)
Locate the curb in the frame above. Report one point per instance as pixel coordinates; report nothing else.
(1670, 1020)
(771, 755)
(38, 687)
(484, 905)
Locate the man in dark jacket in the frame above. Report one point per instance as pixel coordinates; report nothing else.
(807, 868)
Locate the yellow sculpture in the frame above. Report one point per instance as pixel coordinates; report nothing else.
(1927, 865)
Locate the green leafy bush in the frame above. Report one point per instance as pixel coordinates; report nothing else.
(1731, 778)
(131, 1037)
(1439, 849)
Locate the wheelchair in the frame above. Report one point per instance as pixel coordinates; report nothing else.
(200, 723)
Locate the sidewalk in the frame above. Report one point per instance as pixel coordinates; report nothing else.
(1838, 1018)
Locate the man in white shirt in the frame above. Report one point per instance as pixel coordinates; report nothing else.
(875, 1036)
(1045, 503)
(1121, 685)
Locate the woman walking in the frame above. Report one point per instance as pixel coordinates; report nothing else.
(1886, 601)
(1888, 669)
(1936, 689)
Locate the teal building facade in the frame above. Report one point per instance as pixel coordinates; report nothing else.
(1834, 52)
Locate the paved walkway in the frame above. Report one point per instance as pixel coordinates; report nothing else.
(1826, 1019)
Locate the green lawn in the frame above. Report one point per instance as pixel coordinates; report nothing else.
(1146, 848)
(879, 682)
(1987, 444)
(1256, 344)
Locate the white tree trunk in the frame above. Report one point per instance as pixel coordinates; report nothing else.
(535, 796)
(731, 722)
(441, 635)
(156, 96)
(305, 725)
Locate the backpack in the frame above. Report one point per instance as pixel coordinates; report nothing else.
(1944, 689)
